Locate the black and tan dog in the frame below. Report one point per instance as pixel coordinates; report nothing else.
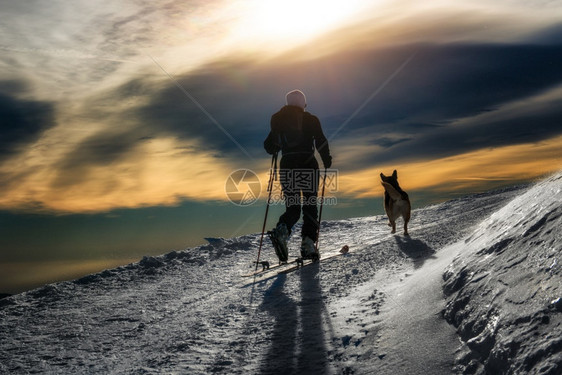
(396, 201)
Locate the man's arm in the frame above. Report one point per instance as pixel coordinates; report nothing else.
(321, 144)
(272, 143)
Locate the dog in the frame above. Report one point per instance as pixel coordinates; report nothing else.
(396, 202)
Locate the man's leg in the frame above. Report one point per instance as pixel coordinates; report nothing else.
(310, 216)
(280, 234)
(290, 194)
(292, 211)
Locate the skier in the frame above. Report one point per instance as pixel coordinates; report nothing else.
(297, 133)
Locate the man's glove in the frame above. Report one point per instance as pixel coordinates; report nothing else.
(271, 147)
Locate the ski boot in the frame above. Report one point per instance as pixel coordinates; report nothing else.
(308, 249)
(280, 237)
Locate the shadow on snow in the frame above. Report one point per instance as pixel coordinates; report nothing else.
(416, 249)
(297, 338)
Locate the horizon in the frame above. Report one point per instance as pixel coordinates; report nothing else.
(122, 124)
(17, 278)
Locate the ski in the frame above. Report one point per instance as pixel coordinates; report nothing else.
(291, 265)
(277, 270)
(266, 267)
(301, 263)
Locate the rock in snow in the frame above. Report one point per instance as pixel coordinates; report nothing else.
(378, 309)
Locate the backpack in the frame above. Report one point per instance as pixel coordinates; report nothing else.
(293, 136)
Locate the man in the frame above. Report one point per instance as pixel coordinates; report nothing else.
(297, 134)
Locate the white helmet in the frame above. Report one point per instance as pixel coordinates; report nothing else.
(296, 98)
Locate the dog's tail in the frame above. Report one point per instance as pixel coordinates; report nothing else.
(394, 194)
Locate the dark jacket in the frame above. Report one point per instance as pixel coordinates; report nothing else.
(297, 132)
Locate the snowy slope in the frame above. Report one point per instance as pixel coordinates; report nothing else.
(376, 310)
(506, 289)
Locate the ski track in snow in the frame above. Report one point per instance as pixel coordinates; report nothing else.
(190, 312)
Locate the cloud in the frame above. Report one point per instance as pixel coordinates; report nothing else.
(451, 100)
(458, 98)
(452, 81)
(550, 35)
(160, 171)
(470, 171)
(444, 83)
(100, 150)
(23, 121)
(119, 132)
(530, 119)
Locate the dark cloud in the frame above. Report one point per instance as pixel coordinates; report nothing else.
(445, 83)
(388, 142)
(477, 135)
(448, 83)
(102, 149)
(21, 121)
(416, 112)
(242, 95)
(550, 35)
(241, 109)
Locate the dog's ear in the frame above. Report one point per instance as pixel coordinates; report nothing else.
(382, 176)
(395, 174)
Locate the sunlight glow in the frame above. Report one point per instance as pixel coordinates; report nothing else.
(297, 20)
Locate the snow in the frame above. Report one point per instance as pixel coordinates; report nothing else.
(474, 289)
(511, 278)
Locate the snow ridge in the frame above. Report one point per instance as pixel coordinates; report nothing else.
(505, 290)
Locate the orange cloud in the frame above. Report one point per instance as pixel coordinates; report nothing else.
(162, 171)
(470, 170)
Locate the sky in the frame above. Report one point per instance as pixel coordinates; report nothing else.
(121, 122)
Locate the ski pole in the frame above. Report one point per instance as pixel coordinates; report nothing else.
(321, 206)
(272, 174)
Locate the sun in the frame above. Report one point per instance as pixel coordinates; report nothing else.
(275, 20)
